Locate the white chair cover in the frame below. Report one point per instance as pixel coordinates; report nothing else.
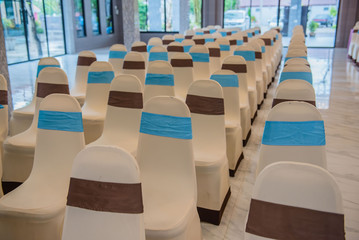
(268, 41)
(238, 65)
(116, 56)
(296, 71)
(198, 39)
(200, 57)
(165, 158)
(297, 148)
(157, 53)
(152, 42)
(123, 116)
(230, 86)
(265, 75)
(140, 47)
(260, 83)
(159, 80)
(187, 44)
(94, 110)
(167, 39)
(353, 41)
(135, 64)
(19, 149)
(189, 34)
(179, 37)
(182, 66)
(173, 48)
(21, 118)
(3, 120)
(302, 196)
(84, 60)
(205, 101)
(355, 54)
(104, 199)
(297, 61)
(35, 210)
(225, 47)
(214, 56)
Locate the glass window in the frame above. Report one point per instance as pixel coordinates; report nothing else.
(95, 19)
(80, 18)
(195, 14)
(237, 14)
(156, 15)
(172, 15)
(109, 17)
(142, 12)
(55, 30)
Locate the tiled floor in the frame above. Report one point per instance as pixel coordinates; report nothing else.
(336, 82)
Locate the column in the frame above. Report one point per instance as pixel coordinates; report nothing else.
(131, 25)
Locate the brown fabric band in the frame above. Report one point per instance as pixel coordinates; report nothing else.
(133, 65)
(279, 100)
(199, 41)
(232, 42)
(229, 33)
(258, 55)
(267, 41)
(45, 89)
(85, 61)
(206, 32)
(214, 52)
(304, 64)
(139, 49)
(205, 105)
(125, 99)
(355, 30)
(3, 97)
(276, 221)
(253, 34)
(278, 30)
(175, 49)
(167, 41)
(259, 31)
(274, 39)
(245, 39)
(181, 62)
(105, 196)
(237, 68)
(188, 37)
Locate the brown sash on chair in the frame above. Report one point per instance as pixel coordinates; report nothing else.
(199, 41)
(232, 42)
(133, 65)
(279, 100)
(125, 99)
(139, 49)
(258, 55)
(245, 38)
(205, 105)
(3, 97)
(188, 37)
(45, 89)
(181, 62)
(214, 52)
(167, 41)
(175, 49)
(237, 68)
(85, 61)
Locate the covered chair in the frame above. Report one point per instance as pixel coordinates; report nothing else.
(260, 58)
(230, 86)
(159, 80)
(189, 34)
(238, 65)
(198, 39)
(167, 39)
(182, 66)
(300, 72)
(187, 44)
(94, 110)
(124, 107)
(214, 56)
(165, 158)
(294, 131)
(3, 120)
(21, 118)
(200, 57)
(270, 65)
(105, 190)
(35, 210)
(173, 48)
(179, 37)
(294, 90)
(158, 53)
(134, 64)
(297, 61)
(84, 60)
(224, 46)
(140, 47)
(295, 201)
(261, 84)
(116, 57)
(19, 149)
(152, 42)
(205, 101)
(296, 53)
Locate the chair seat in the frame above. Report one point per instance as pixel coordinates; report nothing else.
(23, 140)
(202, 159)
(93, 115)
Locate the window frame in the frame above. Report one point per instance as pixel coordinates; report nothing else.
(84, 19)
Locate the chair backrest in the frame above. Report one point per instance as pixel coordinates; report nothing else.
(268, 43)
(60, 138)
(99, 80)
(224, 46)
(248, 53)
(159, 80)
(198, 39)
(238, 65)
(230, 86)
(153, 41)
(158, 53)
(232, 43)
(294, 90)
(224, 32)
(205, 101)
(167, 39)
(297, 61)
(302, 196)
(84, 60)
(182, 66)
(105, 190)
(298, 53)
(165, 152)
(301, 72)
(134, 64)
(208, 38)
(189, 34)
(179, 37)
(3, 111)
(263, 52)
(294, 131)
(173, 48)
(116, 56)
(200, 57)
(187, 44)
(239, 38)
(140, 47)
(214, 56)
(124, 109)
(258, 56)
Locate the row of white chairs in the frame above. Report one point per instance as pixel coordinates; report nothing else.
(353, 48)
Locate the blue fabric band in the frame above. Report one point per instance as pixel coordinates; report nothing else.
(166, 126)
(256, 32)
(118, 54)
(200, 57)
(199, 33)
(224, 47)
(276, 37)
(187, 48)
(159, 79)
(307, 76)
(40, 67)
(1, 106)
(247, 55)
(271, 42)
(223, 34)
(212, 31)
(179, 39)
(250, 34)
(234, 32)
(226, 80)
(149, 47)
(263, 49)
(239, 42)
(100, 77)
(61, 121)
(287, 58)
(308, 133)
(206, 40)
(154, 56)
